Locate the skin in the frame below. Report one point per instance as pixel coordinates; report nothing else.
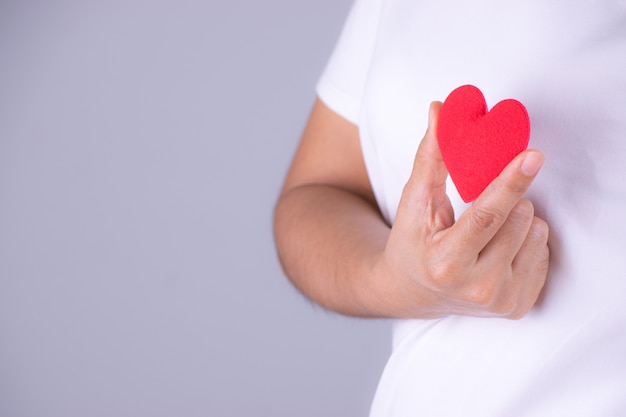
(336, 248)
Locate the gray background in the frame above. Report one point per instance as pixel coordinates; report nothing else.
(142, 146)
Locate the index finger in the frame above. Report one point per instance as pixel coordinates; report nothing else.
(477, 226)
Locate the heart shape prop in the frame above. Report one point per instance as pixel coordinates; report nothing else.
(477, 144)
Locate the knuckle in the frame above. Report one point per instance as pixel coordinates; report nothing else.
(414, 197)
(525, 304)
(510, 186)
(444, 273)
(523, 210)
(481, 295)
(485, 218)
(507, 307)
(539, 230)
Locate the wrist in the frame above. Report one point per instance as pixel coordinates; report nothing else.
(392, 294)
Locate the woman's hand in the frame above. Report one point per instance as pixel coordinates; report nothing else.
(492, 261)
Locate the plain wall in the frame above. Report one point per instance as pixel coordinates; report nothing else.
(142, 147)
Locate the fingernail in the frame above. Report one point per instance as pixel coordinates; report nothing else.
(532, 163)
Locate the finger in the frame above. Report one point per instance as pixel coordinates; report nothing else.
(508, 240)
(531, 264)
(479, 224)
(425, 192)
(429, 172)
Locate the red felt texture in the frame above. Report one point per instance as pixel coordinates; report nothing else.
(477, 144)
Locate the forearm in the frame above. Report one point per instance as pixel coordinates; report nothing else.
(337, 249)
(329, 241)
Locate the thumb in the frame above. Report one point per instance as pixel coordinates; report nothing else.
(426, 189)
(429, 172)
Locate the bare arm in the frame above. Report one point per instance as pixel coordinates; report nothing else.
(327, 225)
(336, 248)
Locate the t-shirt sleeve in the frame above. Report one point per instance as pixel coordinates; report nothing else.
(342, 83)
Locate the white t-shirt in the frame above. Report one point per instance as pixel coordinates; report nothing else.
(565, 60)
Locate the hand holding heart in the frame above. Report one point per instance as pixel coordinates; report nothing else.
(492, 261)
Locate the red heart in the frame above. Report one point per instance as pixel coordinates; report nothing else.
(475, 144)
